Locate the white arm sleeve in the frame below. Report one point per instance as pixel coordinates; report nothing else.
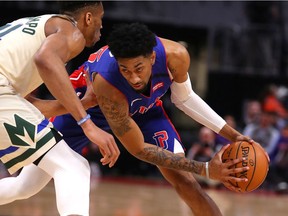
(192, 105)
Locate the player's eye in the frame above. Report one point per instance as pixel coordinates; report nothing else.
(123, 70)
(139, 69)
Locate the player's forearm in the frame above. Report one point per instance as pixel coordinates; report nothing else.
(49, 108)
(229, 133)
(52, 71)
(67, 97)
(161, 157)
(185, 99)
(131, 137)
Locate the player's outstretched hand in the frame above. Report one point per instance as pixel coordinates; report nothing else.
(105, 142)
(224, 171)
(245, 138)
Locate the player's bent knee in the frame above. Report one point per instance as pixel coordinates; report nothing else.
(62, 158)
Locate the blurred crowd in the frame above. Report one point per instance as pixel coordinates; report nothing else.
(264, 120)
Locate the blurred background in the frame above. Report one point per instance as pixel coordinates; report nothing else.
(239, 66)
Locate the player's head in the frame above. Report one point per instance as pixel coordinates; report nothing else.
(88, 15)
(132, 46)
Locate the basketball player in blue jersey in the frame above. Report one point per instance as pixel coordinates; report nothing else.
(129, 80)
(32, 51)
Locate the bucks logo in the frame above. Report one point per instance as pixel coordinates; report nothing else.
(22, 134)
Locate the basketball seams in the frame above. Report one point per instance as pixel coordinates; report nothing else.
(256, 173)
(255, 166)
(236, 156)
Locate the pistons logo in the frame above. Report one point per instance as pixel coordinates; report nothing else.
(161, 138)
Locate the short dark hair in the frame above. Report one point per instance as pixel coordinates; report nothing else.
(68, 7)
(131, 40)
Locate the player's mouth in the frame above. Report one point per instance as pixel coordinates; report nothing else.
(137, 86)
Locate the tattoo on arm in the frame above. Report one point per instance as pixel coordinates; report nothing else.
(115, 114)
(161, 157)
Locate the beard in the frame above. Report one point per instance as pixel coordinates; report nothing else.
(143, 90)
(146, 89)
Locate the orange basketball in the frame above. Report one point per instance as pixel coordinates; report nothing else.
(256, 160)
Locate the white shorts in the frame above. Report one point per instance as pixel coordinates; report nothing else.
(25, 133)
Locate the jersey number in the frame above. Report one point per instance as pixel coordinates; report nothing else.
(30, 29)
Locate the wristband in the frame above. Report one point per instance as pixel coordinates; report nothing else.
(207, 169)
(81, 121)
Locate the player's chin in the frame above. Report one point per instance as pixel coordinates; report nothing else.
(89, 45)
(139, 90)
(97, 38)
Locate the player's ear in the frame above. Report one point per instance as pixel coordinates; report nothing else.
(153, 57)
(88, 18)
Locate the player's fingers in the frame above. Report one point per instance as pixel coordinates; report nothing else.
(238, 170)
(105, 160)
(233, 162)
(112, 155)
(106, 155)
(237, 179)
(222, 150)
(101, 151)
(248, 139)
(115, 152)
(232, 187)
(245, 138)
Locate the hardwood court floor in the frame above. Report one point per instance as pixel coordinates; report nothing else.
(118, 197)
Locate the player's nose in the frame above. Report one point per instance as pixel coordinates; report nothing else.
(134, 78)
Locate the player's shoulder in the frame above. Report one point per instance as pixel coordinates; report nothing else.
(62, 24)
(102, 62)
(66, 31)
(173, 47)
(102, 55)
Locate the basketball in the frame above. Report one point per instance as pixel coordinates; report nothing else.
(256, 160)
